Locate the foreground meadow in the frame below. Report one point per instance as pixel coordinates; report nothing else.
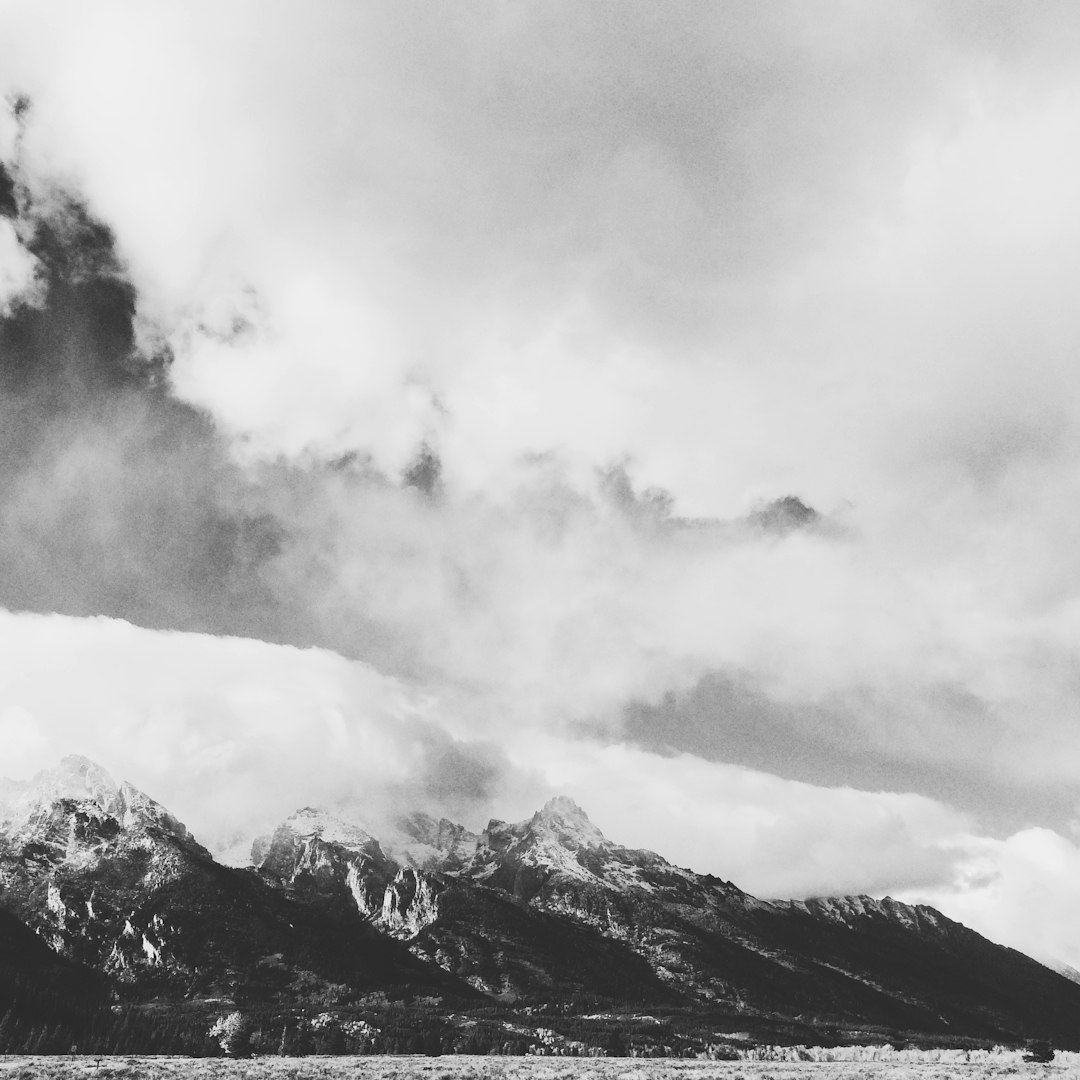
(518, 1068)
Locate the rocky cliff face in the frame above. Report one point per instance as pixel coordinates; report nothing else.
(320, 857)
(77, 855)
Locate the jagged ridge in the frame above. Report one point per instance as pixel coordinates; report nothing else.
(831, 961)
(110, 879)
(542, 910)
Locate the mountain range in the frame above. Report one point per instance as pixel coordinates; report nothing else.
(544, 918)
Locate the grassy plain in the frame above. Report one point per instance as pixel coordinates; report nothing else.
(518, 1068)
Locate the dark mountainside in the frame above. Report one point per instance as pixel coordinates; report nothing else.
(538, 934)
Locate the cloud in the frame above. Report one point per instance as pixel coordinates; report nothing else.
(232, 734)
(936, 739)
(772, 837)
(475, 201)
(1020, 891)
(117, 499)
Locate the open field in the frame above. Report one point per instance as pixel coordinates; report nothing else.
(516, 1068)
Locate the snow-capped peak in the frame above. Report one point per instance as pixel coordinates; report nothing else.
(310, 821)
(75, 777)
(563, 806)
(91, 787)
(570, 825)
(414, 840)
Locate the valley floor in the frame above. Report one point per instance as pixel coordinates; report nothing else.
(516, 1068)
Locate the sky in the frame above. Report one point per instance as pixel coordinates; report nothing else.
(673, 406)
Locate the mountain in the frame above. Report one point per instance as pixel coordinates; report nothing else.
(424, 895)
(550, 905)
(416, 933)
(1066, 970)
(111, 879)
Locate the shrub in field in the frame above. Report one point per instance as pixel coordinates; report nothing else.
(233, 1034)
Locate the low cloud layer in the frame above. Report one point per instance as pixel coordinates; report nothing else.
(261, 729)
(232, 734)
(689, 394)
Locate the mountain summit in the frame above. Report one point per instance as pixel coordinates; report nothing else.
(74, 809)
(563, 811)
(76, 777)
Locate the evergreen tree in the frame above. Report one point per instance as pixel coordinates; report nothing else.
(7, 1031)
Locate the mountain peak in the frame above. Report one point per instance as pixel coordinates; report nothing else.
(82, 775)
(75, 777)
(570, 824)
(565, 807)
(84, 782)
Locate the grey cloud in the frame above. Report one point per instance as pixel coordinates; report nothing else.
(425, 472)
(121, 500)
(117, 498)
(654, 509)
(940, 741)
(457, 776)
(679, 148)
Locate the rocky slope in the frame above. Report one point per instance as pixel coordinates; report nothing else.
(550, 905)
(427, 895)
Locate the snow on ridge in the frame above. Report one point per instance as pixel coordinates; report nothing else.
(416, 840)
(844, 908)
(310, 822)
(25, 806)
(562, 818)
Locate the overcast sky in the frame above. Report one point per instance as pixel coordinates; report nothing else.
(396, 397)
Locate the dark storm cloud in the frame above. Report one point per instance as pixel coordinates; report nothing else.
(859, 740)
(73, 344)
(9, 207)
(116, 498)
(425, 473)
